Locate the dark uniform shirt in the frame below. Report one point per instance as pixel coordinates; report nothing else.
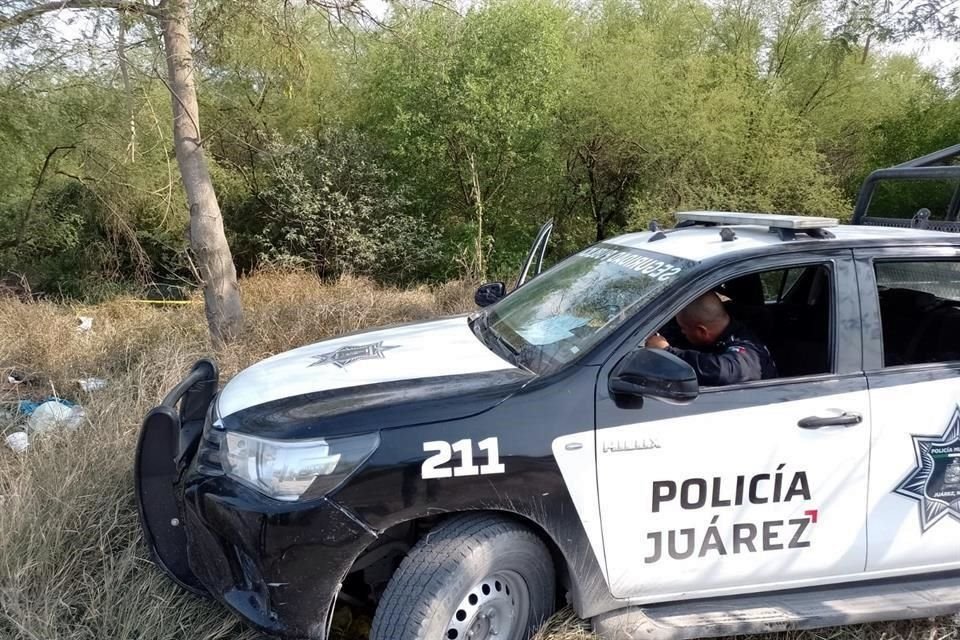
(737, 356)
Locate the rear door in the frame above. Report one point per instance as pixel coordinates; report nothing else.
(911, 302)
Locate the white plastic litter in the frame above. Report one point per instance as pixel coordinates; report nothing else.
(18, 441)
(86, 323)
(92, 384)
(53, 415)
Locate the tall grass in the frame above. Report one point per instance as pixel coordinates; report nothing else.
(72, 566)
(71, 562)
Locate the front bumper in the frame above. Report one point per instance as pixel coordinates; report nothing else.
(278, 565)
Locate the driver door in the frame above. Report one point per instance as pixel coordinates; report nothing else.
(730, 493)
(533, 265)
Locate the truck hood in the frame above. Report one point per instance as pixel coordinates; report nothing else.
(432, 351)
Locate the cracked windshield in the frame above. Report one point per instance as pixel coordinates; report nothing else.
(566, 310)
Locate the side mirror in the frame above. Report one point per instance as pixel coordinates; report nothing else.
(489, 293)
(654, 373)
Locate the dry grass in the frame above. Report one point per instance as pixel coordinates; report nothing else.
(71, 563)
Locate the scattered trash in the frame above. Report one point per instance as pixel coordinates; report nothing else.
(52, 414)
(16, 377)
(38, 417)
(86, 323)
(92, 384)
(27, 407)
(18, 441)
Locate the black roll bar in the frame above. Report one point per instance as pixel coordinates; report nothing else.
(931, 167)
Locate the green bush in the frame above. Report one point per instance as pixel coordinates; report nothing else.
(331, 207)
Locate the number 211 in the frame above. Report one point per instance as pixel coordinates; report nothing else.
(443, 453)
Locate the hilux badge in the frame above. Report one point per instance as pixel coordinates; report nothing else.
(349, 354)
(635, 444)
(935, 482)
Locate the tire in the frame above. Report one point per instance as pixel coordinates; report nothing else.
(458, 577)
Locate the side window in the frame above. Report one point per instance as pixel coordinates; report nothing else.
(777, 284)
(919, 311)
(788, 311)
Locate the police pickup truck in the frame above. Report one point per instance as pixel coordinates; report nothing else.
(466, 476)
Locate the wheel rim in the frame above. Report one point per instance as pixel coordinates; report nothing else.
(496, 608)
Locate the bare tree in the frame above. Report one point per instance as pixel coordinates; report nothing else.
(207, 238)
(894, 20)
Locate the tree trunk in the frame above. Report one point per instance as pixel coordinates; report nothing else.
(221, 294)
(596, 206)
(478, 208)
(127, 88)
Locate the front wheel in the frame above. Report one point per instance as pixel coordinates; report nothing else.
(474, 577)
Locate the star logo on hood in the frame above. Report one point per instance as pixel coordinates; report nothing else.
(351, 353)
(935, 481)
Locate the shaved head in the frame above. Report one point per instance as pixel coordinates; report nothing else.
(707, 309)
(703, 320)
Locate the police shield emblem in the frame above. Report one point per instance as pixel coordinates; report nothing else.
(935, 481)
(351, 353)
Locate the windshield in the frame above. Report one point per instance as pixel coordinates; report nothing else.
(568, 309)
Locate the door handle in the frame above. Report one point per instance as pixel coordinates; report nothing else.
(845, 419)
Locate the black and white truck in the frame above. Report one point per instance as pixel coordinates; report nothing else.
(466, 476)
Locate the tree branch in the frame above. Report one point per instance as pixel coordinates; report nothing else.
(30, 13)
(25, 219)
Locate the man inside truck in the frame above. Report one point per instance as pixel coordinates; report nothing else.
(723, 351)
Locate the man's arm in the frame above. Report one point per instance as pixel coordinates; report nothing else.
(736, 364)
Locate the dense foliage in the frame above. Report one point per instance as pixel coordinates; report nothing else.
(434, 143)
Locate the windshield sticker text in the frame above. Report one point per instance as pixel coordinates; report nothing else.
(656, 269)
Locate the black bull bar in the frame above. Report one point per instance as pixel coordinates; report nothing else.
(168, 441)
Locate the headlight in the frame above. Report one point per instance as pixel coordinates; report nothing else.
(284, 469)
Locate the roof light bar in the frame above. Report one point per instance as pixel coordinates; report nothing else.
(774, 221)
